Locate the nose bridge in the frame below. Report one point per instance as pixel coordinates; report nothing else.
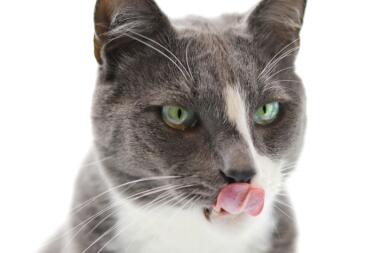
(237, 158)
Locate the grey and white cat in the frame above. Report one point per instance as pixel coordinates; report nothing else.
(197, 123)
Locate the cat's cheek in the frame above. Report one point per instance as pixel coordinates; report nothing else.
(278, 140)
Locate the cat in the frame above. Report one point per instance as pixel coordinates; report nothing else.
(197, 124)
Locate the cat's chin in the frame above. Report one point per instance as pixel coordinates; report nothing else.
(211, 215)
(230, 224)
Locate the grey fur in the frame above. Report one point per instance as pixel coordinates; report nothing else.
(135, 80)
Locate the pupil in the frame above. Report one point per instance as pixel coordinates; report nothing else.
(179, 113)
(265, 109)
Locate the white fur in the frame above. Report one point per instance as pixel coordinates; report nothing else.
(174, 230)
(268, 175)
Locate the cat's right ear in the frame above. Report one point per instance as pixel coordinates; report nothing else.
(119, 22)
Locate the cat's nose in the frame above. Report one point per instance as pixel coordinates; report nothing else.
(237, 175)
(239, 165)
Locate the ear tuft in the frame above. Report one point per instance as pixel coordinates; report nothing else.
(114, 18)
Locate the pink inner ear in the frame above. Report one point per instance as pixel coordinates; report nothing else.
(240, 198)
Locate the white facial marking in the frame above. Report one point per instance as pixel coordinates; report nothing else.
(238, 116)
(268, 171)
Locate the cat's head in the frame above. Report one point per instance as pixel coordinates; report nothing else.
(197, 104)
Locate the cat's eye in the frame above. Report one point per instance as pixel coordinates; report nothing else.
(178, 117)
(267, 113)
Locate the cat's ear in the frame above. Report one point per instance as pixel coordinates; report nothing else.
(276, 23)
(127, 20)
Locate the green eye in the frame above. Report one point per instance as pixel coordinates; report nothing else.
(267, 113)
(178, 117)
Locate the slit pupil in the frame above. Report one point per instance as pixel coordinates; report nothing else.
(264, 109)
(179, 113)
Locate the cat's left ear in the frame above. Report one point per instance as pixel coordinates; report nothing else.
(275, 23)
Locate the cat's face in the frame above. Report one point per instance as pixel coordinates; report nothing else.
(221, 73)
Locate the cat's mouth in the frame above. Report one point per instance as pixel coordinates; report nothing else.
(237, 199)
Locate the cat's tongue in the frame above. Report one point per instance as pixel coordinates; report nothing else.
(240, 198)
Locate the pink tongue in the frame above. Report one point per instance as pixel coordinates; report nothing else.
(240, 198)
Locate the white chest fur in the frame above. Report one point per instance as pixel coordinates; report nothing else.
(173, 230)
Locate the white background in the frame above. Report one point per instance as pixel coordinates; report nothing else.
(47, 74)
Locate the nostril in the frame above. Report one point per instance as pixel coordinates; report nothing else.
(238, 176)
(227, 179)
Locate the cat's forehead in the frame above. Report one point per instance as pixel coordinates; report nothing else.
(215, 61)
(219, 60)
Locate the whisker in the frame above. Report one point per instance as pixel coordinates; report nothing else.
(270, 86)
(82, 205)
(140, 195)
(113, 228)
(123, 29)
(284, 213)
(90, 219)
(292, 81)
(154, 48)
(100, 237)
(282, 194)
(87, 202)
(277, 72)
(290, 163)
(96, 162)
(186, 59)
(165, 48)
(283, 203)
(287, 168)
(178, 198)
(276, 61)
(191, 203)
(125, 228)
(167, 188)
(274, 57)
